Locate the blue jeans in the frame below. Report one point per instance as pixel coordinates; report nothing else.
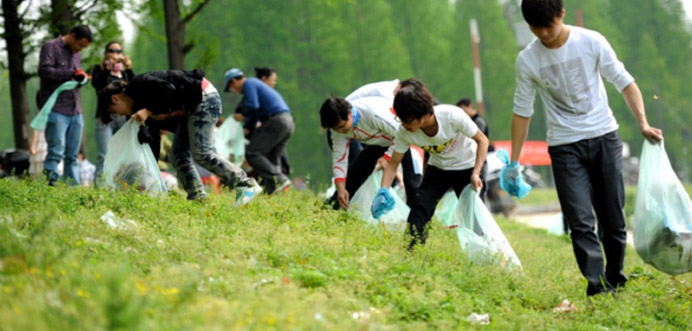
(194, 141)
(64, 137)
(103, 133)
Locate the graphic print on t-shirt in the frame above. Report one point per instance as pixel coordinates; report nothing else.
(438, 148)
(568, 85)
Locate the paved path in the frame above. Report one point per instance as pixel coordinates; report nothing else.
(551, 221)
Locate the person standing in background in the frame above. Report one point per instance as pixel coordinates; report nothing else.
(115, 66)
(467, 106)
(59, 61)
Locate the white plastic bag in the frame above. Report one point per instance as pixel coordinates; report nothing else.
(445, 209)
(361, 202)
(662, 214)
(229, 141)
(479, 235)
(129, 163)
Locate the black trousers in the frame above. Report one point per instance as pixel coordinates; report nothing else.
(588, 178)
(436, 183)
(364, 163)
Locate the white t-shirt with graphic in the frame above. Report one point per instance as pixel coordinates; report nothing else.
(452, 148)
(569, 82)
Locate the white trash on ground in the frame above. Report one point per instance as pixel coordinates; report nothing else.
(118, 223)
(662, 214)
(479, 235)
(361, 202)
(482, 319)
(565, 307)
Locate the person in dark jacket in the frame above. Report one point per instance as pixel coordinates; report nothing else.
(162, 95)
(114, 67)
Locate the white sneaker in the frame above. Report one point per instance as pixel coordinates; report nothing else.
(245, 194)
(284, 186)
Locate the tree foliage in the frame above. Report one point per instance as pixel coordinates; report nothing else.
(330, 47)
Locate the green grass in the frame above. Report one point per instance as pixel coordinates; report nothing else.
(285, 263)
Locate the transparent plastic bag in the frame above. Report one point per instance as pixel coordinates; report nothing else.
(662, 214)
(229, 141)
(129, 163)
(445, 209)
(361, 202)
(479, 235)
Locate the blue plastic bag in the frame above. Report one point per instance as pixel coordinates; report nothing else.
(41, 120)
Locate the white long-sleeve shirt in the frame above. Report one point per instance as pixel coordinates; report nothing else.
(383, 89)
(569, 82)
(376, 125)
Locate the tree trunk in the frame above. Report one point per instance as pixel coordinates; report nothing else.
(15, 59)
(62, 17)
(175, 35)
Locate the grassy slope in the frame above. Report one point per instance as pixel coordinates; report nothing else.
(284, 263)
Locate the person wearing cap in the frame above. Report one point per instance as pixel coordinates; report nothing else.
(58, 63)
(264, 104)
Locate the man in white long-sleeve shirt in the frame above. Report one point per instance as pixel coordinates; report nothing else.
(371, 121)
(565, 65)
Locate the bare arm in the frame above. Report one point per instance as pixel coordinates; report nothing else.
(634, 100)
(34, 142)
(520, 128)
(390, 169)
(481, 153)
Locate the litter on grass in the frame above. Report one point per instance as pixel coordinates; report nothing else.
(118, 223)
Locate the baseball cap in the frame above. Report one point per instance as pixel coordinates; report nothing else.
(230, 74)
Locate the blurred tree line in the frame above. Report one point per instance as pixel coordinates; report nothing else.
(330, 47)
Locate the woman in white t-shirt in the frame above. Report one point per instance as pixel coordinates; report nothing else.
(457, 153)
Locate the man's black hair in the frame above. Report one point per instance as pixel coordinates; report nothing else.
(82, 31)
(541, 13)
(112, 89)
(464, 102)
(415, 82)
(333, 111)
(264, 72)
(412, 103)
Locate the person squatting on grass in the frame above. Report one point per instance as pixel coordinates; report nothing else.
(59, 61)
(457, 153)
(267, 144)
(564, 64)
(160, 95)
(371, 121)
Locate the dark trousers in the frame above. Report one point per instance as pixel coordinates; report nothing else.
(588, 178)
(364, 163)
(266, 147)
(436, 183)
